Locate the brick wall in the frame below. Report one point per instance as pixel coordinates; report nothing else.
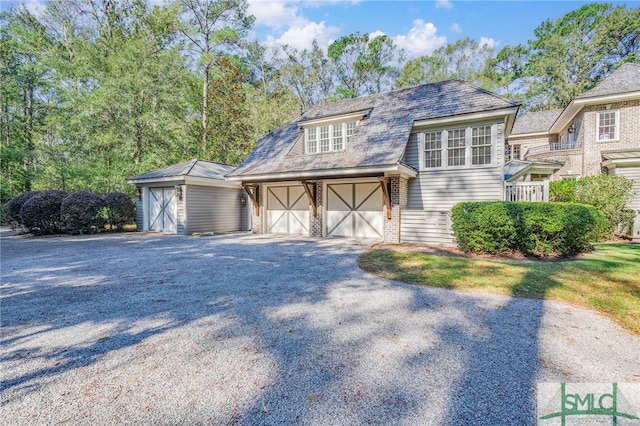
(398, 194)
(315, 224)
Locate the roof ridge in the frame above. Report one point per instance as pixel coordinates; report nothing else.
(194, 161)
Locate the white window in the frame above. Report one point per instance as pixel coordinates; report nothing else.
(456, 152)
(329, 138)
(481, 145)
(324, 139)
(461, 147)
(607, 125)
(432, 149)
(312, 140)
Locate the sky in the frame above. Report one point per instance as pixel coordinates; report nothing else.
(419, 27)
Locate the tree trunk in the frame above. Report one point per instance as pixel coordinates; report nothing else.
(205, 108)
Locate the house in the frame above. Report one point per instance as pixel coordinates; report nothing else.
(388, 166)
(190, 197)
(599, 131)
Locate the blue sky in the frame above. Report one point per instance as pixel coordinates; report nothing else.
(417, 26)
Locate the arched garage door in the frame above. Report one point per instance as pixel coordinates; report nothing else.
(162, 209)
(355, 210)
(287, 210)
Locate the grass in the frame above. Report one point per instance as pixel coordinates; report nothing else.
(607, 279)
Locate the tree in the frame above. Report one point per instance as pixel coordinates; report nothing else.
(229, 133)
(574, 53)
(508, 68)
(22, 43)
(364, 65)
(466, 59)
(211, 26)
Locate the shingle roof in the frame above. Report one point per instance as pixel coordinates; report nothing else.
(193, 168)
(382, 135)
(624, 79)
(535, 122)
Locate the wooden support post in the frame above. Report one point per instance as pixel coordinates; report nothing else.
(254, 197)
(384, 184)
(311, 196)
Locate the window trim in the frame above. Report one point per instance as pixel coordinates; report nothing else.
(616, 115)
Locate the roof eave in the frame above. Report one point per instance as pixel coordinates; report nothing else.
(473, 116)
(576, 105)
(387, 170)
(184, 179)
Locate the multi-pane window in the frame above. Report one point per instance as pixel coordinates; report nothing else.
(312, 140)
(324, 139)
(432, 149)
(329, 138)
(462, 147)
(456, 152)
(607, 125)
(481, 145)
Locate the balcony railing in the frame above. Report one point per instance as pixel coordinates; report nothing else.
(555, 146)
(526, 191)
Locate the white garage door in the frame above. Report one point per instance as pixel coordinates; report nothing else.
(287, 210)
(162, 209)
(354, 210)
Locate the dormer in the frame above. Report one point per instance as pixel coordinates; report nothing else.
(330, 134)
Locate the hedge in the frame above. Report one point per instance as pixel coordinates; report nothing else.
(82, 212)
(539, 229)
(41, 213)
(13, 206)
(119, 210)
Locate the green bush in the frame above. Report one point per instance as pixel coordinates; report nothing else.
(119, 209)
(41, 213)
(11, 210)
(609, 193)
(82, 212)
(540, 229)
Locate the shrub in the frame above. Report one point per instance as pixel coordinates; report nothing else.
(540, 229)
(13, 206)
(120, 209)
(609, 193)
(41, 213)
(82, 212)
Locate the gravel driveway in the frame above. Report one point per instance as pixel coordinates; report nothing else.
(245, 329)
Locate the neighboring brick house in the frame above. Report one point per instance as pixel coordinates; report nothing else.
(599, 131)
(387, 166)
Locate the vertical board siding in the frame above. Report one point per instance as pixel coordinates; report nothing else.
(211, 209)
(426, 227)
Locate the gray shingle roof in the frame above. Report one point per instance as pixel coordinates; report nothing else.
(193, 168)
(380, 138)
(535, 122)
(624, 79)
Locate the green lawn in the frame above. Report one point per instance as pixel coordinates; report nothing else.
(607, 279)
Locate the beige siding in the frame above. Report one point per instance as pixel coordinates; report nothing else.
(633, 173)
(426, 227)
(211, 209)
(442, 189)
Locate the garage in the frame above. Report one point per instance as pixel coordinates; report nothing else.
(162, 209)
(191, 197)
(287, 210)
(355, 210)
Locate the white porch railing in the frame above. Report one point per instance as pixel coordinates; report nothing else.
(526, 191)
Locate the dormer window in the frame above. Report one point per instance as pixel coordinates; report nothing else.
(329, 138)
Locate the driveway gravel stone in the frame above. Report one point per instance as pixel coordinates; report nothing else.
(262, 330)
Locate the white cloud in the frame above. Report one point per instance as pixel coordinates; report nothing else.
(456, 28)
(375, 34)
(302, 36)
(273, 14)
(35, 7)
(487, 41)
(443, 4)
(421, 40)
